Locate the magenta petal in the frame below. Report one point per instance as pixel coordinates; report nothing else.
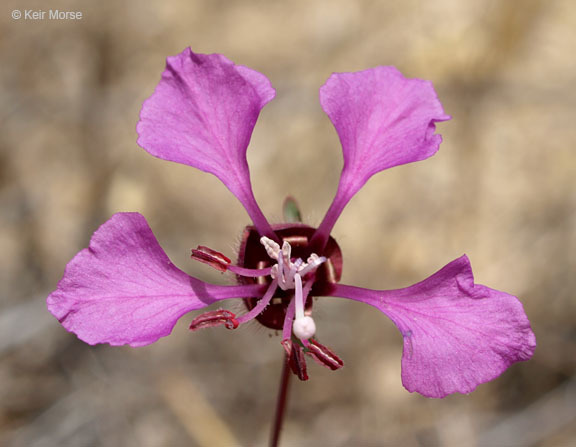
(202, 114)
(383, 120)
(457, 334)
(123, 289)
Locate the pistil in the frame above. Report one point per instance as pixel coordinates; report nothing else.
(289, 275)
(304, 326)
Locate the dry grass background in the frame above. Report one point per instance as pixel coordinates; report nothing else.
(501, 189)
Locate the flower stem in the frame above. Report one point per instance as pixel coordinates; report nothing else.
(281, 402)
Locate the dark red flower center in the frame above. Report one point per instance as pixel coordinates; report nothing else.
(252, 254)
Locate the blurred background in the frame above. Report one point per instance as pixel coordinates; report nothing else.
(501, 189)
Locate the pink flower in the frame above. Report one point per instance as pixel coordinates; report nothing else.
(123, 289)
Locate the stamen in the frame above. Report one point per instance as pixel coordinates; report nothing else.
(250, 273)
(306, 289)
(297, 361)
(287, 345)
(214, 318)
(211, 257)
(323, 355)
(222, 263)
(262, 303)
(288, 319)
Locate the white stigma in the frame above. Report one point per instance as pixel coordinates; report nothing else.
(289, 275)
(304, 328)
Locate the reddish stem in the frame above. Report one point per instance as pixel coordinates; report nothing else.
(281, 402)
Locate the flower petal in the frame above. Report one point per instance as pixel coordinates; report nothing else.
(202, 114)
(123, 289)
(383, 120)
(457, 334)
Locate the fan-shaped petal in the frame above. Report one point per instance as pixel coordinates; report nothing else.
(123, 289)
(457, 334)
(383, 120)
(202, 114)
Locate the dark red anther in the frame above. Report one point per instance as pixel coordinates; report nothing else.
(324, 355)
(296, 359)
(211, 257)
(214, 318)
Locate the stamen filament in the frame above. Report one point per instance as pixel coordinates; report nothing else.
(261, 305)
(288, 319)
(250, 273)
(306, 289)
